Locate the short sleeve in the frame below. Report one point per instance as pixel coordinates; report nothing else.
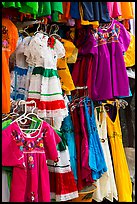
(11, 154)
(124, 37)
(59, 49)
(51, 139)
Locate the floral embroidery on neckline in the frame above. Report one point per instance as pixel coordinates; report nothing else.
(106, 37)
(30, 144)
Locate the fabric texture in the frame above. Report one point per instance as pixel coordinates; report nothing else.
(95, 11)
(62, 183)
(127, 10)
(114, 9)
(68, 129)
(62, 67)
(129, 55)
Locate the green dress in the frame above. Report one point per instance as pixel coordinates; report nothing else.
(38, 9)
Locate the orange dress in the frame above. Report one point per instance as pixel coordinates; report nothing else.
(66, 12)
(9, 41)
(122, 175)
(127, 10)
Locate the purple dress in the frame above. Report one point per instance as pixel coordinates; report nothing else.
(27, 156)
(109, 76)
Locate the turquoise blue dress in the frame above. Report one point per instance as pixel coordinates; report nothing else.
(68, 129)
(96, 156)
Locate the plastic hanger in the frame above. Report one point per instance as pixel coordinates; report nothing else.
(27, 116)
(24, 115)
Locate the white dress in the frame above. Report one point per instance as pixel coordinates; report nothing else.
(19, 79)
(106, 186)
(45, 88)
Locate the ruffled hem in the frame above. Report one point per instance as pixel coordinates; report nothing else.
(46, 109)
(62, 186)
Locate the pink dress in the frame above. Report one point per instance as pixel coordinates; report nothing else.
(114, 9)
(28, 154)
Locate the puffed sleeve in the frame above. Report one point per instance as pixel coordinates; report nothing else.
(51, 139)
(124, 37)
(59, 49)
(11, 154)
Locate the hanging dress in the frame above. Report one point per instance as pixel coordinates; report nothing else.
(96, 156)
(9, 42)
(27, 154)
(62, 183)
(45, 88)
(109, 77)
(122, 174)
(106, 186)
(68, 129)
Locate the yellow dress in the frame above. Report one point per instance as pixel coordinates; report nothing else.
(129, 56)
(122, 175)
(62, 67)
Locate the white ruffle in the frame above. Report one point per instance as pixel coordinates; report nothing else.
(45, 98)
(61, 113)
(45, 85)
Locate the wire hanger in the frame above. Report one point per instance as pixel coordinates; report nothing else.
(41, 31)
(24, 31)
(54, 34)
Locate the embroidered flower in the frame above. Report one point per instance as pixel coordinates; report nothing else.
(21, 148)
(31, 161)
(51, 42)
(31, 158)
(41, 144)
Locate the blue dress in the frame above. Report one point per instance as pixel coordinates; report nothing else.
(68, 129)
(96, 156)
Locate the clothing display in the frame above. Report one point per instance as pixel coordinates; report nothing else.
(66, 72)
